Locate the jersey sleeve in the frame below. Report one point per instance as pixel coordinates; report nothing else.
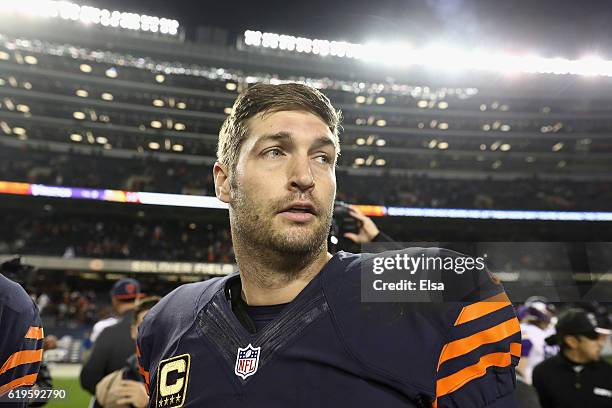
(21, 338)
(476, 367)
(143, 352)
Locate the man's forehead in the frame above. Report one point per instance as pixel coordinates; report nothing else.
(287, 121)
(287, 125)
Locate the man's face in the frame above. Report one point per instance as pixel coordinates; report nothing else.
(287, 160)
(590, 348)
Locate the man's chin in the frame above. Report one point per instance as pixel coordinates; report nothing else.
(298, 241)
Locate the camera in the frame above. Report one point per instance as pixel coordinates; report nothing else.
(342, 222)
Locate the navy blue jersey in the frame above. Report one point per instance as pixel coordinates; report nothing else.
(21, 337)
(327, 348)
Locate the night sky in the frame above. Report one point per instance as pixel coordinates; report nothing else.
(552, 28)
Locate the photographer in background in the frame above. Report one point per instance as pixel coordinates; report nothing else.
(351, 223)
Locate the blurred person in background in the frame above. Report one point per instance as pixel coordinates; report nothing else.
(536, 325)
(114, 344)
(21, 335)
(577, 376)
(126, 387)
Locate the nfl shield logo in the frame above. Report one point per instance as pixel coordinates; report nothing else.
(247, 361)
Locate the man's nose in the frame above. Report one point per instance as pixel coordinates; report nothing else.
(301, 174)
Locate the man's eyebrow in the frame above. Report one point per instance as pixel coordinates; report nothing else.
(279, 137)
(284, 136)
(323, 141)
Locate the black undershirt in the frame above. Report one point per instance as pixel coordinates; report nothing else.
(253, 318)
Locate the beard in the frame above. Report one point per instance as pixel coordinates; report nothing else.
(255, 224)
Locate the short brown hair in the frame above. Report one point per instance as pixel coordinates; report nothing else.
(266, 98)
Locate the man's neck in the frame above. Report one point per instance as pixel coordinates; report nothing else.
(272, 279)
(124, 308)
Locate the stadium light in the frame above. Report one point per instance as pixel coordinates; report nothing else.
(85, 68)
(90, 15)
(111, 72)
(439, 56)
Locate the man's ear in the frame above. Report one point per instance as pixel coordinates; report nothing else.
(222, 182)
(571, 341)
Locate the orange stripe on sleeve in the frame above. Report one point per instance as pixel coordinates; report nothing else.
(35, 333)
(491, 335)
(482, 308)
(138, 351)
(18, 382)
(21, 357)
(144, 373)
(457, 380)
(515, 349)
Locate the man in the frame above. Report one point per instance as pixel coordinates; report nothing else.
(21, 340)
(126, 387)
(114, 344)
(576, 377)
(289, 329)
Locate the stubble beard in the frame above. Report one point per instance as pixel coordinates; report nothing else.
(253, 224)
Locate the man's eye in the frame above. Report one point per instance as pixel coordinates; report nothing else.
(276, 152)
(324, 159)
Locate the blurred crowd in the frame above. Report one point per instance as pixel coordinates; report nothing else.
(146, 174)
(66, 304)
(108, 237)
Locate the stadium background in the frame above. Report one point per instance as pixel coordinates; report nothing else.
(108, 135)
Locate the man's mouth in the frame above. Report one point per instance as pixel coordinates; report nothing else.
(299, 212)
